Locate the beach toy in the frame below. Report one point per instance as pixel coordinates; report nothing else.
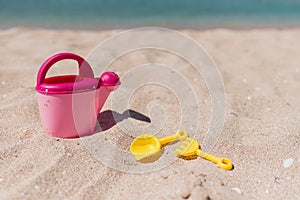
(69, 104)
(147, 145)
(191, 148)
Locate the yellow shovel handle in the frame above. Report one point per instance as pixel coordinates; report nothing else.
(180, 135)
(223, 163)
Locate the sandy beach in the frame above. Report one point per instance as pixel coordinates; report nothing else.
(261, 135)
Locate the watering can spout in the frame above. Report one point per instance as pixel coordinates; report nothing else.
(108, 82)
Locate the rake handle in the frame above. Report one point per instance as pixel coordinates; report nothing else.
(223, 163)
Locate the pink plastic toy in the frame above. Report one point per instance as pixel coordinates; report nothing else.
(69, 104)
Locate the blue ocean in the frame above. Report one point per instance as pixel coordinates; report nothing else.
(97, 14)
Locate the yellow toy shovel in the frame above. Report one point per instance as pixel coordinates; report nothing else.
(191, 148)
(147, 145)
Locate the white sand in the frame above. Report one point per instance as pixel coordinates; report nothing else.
(261, 73)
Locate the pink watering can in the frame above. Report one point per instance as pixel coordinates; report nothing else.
(69, 104)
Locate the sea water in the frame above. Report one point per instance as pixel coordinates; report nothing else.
(133, 13)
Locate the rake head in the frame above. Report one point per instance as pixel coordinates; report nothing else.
(188, 148)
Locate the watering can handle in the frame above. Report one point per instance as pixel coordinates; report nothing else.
(85, 69)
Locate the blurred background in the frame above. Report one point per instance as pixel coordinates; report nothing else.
(101, 14)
